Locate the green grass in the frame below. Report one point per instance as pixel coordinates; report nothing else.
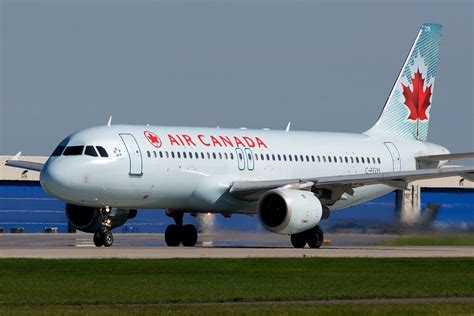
(166, 285)
(249, 309)
(432, 240)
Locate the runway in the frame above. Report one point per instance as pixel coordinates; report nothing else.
(221, 245)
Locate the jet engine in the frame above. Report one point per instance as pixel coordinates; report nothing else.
(89, 220)
(287, 211)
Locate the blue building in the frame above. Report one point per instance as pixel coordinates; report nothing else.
(25, 204)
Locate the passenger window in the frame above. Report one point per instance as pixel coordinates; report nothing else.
(161, 154)
(312, 158)
(340, 159)
(307, 158)
(73, 151)
(352, 159)
(226, 156)
(362, 159)
(190, 155)
(256, 157)
(279, 157)
(196, 155)
(290, 158)
(319, 158)
(357, 159)
(231, 156)
(249, 156)
(102, 151)
(329, 159)
(214, 155)
(296, 157)
(373, 160)
(178, 154)
(202, 155)
(268, 157)
(335, 159)
(184, 155)
(220, 156)
(167, 154)
(90, 151)
(148, 154)
(368, 160)
(378, 159)
(284, 157)
(240, 156)
(154, 154)
(172, 154)
(208, 156)
(301, 157)
(58, 151)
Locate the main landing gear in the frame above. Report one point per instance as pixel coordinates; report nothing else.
(313, 237)
(104, 236)
(178, 233)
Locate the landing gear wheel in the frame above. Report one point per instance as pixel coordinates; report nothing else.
(189, 235)
(98, 242)
(107, 239)
(315, 237)
(298, 240)
(173, 236)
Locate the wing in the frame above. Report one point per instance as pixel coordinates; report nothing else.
(338, 185)
(15, 162)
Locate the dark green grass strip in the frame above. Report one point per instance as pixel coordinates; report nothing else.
(432, 240)
(250, 309)
(26, 282)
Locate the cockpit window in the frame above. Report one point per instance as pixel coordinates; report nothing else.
(73, 151)
(90, 151)
(102, 151)
(58, 151)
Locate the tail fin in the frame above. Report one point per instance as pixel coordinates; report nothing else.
(406, 114)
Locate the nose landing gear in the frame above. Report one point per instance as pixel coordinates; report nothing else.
(104, 236)
(178, 233)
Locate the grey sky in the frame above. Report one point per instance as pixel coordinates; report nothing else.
(324, 65)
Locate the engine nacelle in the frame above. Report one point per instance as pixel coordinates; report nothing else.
(286, 211)
(89, 220)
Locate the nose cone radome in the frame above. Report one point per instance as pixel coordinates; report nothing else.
(55, 180)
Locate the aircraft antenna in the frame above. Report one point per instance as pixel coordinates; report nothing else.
(110, 121)
(288, 127)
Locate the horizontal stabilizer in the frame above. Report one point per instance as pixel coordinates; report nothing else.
(446, 157)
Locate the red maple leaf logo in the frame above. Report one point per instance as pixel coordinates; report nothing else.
(417, 100)
(153, 139)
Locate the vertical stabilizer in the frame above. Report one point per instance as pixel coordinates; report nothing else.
(406, 114)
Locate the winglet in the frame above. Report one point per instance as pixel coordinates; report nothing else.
(110, 121)
(288, 127)
(17, 156)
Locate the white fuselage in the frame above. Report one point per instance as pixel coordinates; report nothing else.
(191, 169)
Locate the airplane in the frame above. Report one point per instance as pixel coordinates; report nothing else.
(292, 180)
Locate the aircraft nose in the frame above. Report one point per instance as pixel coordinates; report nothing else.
(55, 180)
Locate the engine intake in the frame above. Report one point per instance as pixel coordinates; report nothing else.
(287, 211)
(89, 220)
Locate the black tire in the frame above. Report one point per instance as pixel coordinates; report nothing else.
(189, 235)
(298, 240)
(173, 236)
(314, 237)
(98, 240)
(107, 239)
